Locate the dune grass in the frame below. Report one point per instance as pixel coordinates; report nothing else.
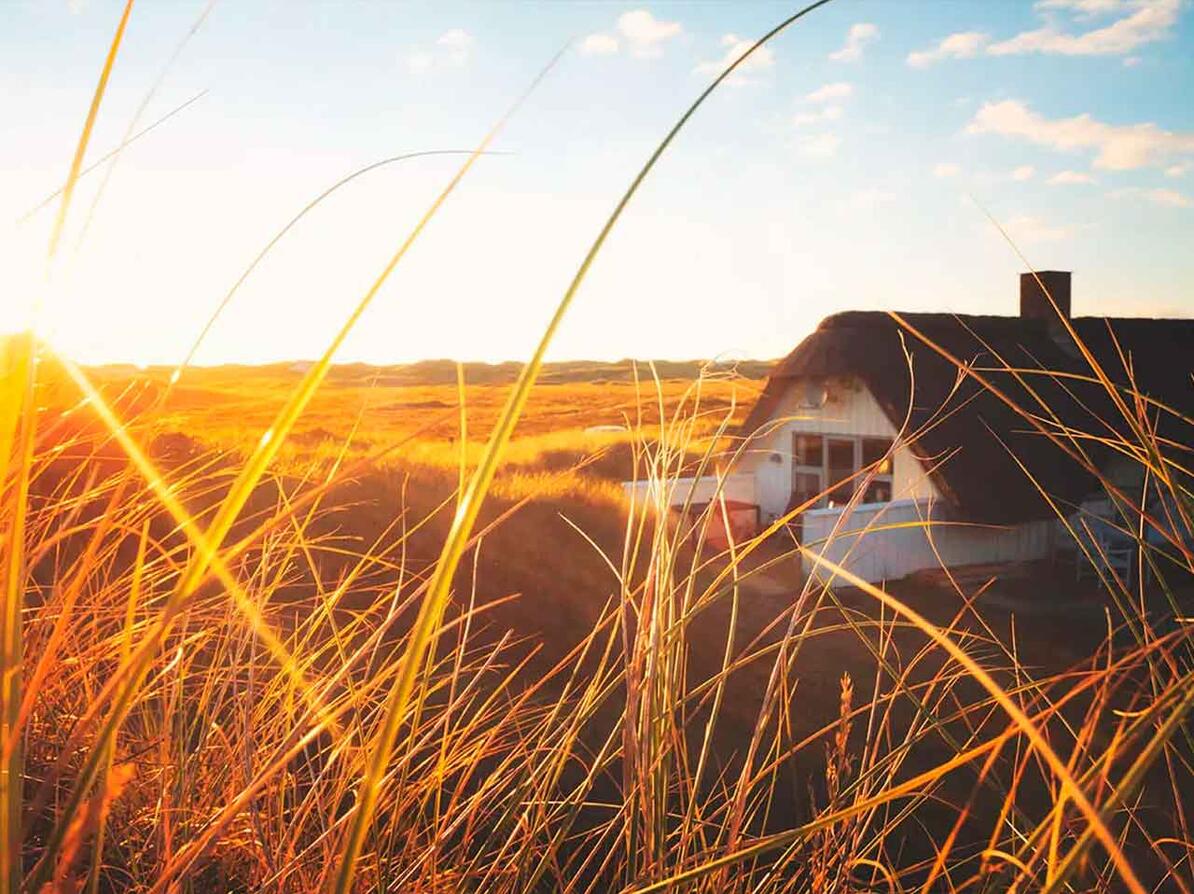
(641, 724)
(371, 649)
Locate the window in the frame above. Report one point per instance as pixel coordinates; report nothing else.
(808, 469)
(877, 450)
(877, 461)
(831, 467)
(807, 450)
(840, 467)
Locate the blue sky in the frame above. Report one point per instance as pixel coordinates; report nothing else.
(852, 165)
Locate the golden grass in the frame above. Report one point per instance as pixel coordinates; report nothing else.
(633, 718)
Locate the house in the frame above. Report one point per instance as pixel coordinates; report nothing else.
(878, 433)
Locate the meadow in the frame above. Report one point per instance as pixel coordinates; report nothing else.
(607, 703)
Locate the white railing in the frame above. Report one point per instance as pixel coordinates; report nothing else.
(887, 541)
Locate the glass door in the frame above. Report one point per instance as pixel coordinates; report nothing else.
(808, 470)
(840, 466)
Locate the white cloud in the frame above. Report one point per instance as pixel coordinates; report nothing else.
(1023, 172)
(639, 31)
(1145, 21)
(646, 34)
(1070, 178)
(1087, 8)
(1131, 61)
(455, 39)
(962, 45)
(822, 145)
(1150, 20)
(857, 38)
(1027, 230)
(599, 45)
(946, 169)
(736, 48)
(1179, 169)
(1116, 147)
(1170, 198)
(827, 97)
(451, 48)
(831, 92)
(826, 113)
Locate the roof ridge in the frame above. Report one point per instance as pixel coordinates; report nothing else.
(846, 318)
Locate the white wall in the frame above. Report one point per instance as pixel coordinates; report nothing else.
(739, 486)
(869, 545)
(851, 409)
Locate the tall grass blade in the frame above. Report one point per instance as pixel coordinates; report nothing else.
(470, 504)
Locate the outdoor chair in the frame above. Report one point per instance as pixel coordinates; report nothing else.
(1101, 543)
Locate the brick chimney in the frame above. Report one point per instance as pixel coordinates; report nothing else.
(1034, 302)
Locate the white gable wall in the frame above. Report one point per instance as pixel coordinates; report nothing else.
(850, 409)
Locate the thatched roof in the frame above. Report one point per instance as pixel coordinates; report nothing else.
(969, 440)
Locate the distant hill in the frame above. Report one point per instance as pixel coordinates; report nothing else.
(443, 372)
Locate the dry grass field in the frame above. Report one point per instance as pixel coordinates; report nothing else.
(361, 410)
(388, 448)
(817, 735)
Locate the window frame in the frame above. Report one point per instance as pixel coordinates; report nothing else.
(799, 468)
(877, 479)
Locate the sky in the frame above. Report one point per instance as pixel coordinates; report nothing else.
(862, 160)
